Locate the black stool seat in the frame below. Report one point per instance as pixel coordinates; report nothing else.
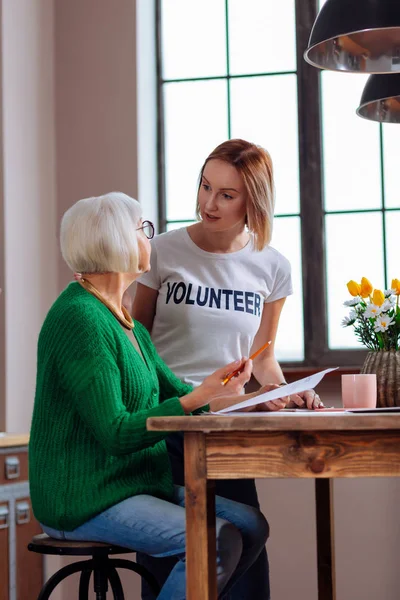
(103, 568)
(44, 544)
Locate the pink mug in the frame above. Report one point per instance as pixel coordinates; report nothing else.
(359, 391)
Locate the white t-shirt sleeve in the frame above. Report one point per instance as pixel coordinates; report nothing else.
(283, 281)
(152, 278)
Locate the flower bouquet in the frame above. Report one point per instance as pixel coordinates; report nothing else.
(375, 315)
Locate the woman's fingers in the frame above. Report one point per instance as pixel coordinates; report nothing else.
(297, 401)
(317, 402)
(231, 367)
(240, 380)
(277, 404)
(312, 400)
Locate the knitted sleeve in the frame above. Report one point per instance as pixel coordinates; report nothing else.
(90, 372)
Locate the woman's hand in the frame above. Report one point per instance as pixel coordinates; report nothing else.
(212, 387)
(308, 399)
(271, 405)
(214, 382)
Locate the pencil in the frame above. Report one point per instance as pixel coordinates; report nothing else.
(252, 357)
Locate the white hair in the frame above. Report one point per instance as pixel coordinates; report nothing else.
(99, 234)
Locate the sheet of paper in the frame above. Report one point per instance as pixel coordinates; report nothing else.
(285, 390)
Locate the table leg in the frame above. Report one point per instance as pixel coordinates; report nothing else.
(201, 575)
(325, 539)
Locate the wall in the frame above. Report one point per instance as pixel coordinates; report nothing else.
(95, 101)
(30, 280)
(2, 254)
(69, 89)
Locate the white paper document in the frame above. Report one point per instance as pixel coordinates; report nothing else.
(285, 390)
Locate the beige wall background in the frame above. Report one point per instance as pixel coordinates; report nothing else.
(30, 278)
(77, 119)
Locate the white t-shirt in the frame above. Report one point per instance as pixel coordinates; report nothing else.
(209, 306)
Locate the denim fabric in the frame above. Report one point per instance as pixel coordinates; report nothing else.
(157, 528)
(254, 583)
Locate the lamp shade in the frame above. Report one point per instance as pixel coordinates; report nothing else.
(359, 36)
(380, 100)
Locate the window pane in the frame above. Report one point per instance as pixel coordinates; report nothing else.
(391, 148)
(262, 36)
(264, 111)
(196, 122)
(193, 38)
(351, 146)
(354, 249)
(174, 225)
(290, 339)
(392, 221)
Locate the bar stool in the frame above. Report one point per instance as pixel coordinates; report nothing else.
(103, 568)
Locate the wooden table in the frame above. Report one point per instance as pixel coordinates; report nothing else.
(321, 446)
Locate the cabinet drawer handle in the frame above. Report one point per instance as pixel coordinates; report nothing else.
(12, 467)
(4, 514)
(22, 513)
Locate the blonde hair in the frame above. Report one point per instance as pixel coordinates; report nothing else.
(255, 166)
(98, 234)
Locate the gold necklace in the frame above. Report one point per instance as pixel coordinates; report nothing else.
(125, 319)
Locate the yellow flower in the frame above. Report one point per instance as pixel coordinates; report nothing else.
(354, 288)
(366, 288)
(396, 286)
(378, 298)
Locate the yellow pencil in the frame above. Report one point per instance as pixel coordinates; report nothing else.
(252, 357)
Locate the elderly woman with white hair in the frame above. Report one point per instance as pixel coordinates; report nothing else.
(96, 473)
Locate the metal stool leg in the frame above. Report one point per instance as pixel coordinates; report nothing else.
(115, 583)
(100, 581)
(52, 583)
(84, 585)
(127, 564)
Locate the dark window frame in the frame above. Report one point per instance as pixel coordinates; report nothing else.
(312, 214)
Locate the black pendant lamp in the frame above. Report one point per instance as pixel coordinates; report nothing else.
(359, 36)
(380, 100)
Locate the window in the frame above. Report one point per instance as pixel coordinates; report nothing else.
(228, 69)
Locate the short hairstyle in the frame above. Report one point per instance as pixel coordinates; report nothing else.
(255, 166)
(99, 234)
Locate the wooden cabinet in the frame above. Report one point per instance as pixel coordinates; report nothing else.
(4, 549)
(21, 571)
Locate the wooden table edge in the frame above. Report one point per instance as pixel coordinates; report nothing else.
(288, 422)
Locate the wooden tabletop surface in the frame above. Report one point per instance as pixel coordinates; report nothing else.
(9, 440)
(290, 421)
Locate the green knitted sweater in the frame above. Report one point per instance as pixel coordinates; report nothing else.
(89, 448)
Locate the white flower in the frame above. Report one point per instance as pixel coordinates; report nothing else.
(389, 303)
(389, 292)
(383, 322)
(347, 321)
(353, 315)
(353, 302)
(372, 310)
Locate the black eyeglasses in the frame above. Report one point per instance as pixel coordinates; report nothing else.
(148, 229)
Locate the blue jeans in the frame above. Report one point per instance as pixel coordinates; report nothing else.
(254, 583)
(157, 527)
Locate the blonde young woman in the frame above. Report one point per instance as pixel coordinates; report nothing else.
(215, 292)
(95, 472)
